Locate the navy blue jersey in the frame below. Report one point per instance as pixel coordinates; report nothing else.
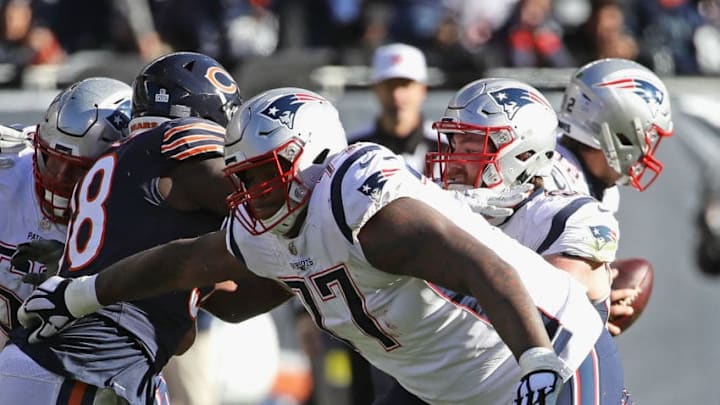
(118, 211)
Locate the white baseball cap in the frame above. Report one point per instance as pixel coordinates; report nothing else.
(398, 61)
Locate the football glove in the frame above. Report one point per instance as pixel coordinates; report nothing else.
(45, 251)
(495, 205)
(55, 304)
(543, 374)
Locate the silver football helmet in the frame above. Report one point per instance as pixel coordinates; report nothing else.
(517, 126)
(622, 108)
(295, 131)
(80, 124)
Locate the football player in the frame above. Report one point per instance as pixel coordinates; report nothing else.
(363, 241)
(614, 115)
(37, 176)
(163, 183)
(501, 133)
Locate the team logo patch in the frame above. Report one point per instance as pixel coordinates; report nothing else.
(603, 233)
(511, 99)
(375, 182)
(118, 120)
(643, 88)
(284, 108)
(221, 79)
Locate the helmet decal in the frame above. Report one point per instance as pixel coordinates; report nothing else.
(643, 88)
(284, 108)
(221, 79)
(511, 99)
(162, 96)
(119, 119)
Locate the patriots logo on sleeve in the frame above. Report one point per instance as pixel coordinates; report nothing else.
(603, 233)
(643, 88)
(374, 183)
(511, 99)
(284, 108)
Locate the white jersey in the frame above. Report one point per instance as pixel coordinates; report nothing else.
(440, 351)
(567, 175)
(554, 222)
(22, 221)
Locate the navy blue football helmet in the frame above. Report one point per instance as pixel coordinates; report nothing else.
(185, 84)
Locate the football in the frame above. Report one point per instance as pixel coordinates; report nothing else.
(633, 272)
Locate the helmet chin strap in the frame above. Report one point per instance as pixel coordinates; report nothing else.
(285, 225)
(298, 191)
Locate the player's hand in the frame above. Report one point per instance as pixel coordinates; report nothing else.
(496, 204)
(540, 387)
(620, 300)
(45, 311)
(55, 304)
(45, 251)
(543, 375)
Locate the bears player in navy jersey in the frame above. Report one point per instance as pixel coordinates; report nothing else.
(39, 166)
(363, 241)
(163, 183)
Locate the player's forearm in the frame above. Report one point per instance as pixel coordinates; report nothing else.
(512, 312)
(408, 238)
(253, 296)
(155, 271)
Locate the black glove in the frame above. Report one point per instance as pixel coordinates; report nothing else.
(540, 387)
(45, 251)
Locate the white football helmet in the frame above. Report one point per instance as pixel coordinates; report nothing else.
(517, 123)
(80, 124)
(622, 108)
(296, 131)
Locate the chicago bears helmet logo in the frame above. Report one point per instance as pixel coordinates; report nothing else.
(643, 88)
(284, 108)
(221, 79)
(512, 99)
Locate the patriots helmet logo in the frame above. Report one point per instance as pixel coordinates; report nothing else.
(284, 108)
(512, 99)
(643, 88)
(118, 120)
(373, 185)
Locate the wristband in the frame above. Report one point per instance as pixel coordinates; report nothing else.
(542, 358)
(80, 296)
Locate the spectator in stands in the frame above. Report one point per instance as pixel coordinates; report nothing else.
(536, 38)
(608, 33)
(666, 30)
(399, 77)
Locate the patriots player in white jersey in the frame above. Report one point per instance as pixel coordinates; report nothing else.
(614, 115)
(502, 134)
(364, 241)
(36, 182)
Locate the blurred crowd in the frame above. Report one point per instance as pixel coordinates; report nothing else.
(461, 37)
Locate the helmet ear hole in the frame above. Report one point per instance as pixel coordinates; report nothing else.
(623, 139)
(320, 158)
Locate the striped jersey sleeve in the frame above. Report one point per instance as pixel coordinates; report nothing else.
(192, 137)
